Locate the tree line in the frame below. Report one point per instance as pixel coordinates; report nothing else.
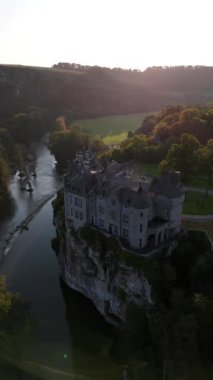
(92, 91)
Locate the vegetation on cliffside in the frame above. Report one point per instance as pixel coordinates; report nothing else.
(16, 324)
(176, 332)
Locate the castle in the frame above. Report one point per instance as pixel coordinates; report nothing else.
(140, 211)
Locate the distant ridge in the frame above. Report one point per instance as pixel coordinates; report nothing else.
(91, 91)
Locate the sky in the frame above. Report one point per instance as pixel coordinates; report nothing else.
(119, 33)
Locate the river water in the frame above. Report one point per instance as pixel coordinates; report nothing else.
(22, 203)
(70, 340)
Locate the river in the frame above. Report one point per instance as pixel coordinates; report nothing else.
(71, 340)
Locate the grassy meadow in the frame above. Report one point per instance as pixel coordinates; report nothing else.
(112, 129)
(151, 169)
(198, 204)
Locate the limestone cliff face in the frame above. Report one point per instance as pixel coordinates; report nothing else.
(112, 286)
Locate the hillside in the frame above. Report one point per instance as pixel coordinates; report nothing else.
(84, 92)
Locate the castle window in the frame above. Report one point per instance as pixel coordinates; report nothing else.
(81, 215)
(141, 227)
(71, 211)
(76, 201)
(125, 233)
(125, 218)
(76, 214)
(141, 215)
(101, 210)
(140, 242)
(80, 202)
(116, 230)
(101, 222)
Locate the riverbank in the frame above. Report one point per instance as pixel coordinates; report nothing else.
(23, 206)
(14, 234)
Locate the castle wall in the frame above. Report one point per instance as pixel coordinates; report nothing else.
(116, 209)
(176, 215)
(75, 209)
(138, 227)
(164, 206)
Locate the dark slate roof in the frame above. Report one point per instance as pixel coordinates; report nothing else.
(168, 186)
(103, 187)
(125, 191)
(81, 184)
(131, 198)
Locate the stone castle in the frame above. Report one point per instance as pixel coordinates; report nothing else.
(142, 212)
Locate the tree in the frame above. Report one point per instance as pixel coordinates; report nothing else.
(65, 144)
(203, 307)
(15, 328)
(60, 123)
(147, 126)
(164, 167)
(97, 145)
(206, 162)
(189, 113)
(21, 128)
(162, 130)
(183, 156)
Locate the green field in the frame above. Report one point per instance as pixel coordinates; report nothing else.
(198, 204)
(200, 183)
(112, 129)
(152, 169)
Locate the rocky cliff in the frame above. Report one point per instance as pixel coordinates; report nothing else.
(113, 286)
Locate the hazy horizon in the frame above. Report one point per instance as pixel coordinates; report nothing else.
(117, 67)
(135, 35)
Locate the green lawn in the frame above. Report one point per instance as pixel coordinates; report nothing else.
(198, 204)
(152, 169)
(200, 182)
(113, 129)
(115, 139)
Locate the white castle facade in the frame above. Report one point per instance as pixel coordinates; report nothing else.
(139, 211)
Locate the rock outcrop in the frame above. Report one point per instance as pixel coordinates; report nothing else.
(110, 284)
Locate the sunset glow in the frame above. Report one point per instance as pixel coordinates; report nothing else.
(129, 34)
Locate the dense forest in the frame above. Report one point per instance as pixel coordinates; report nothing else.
(89, 91)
